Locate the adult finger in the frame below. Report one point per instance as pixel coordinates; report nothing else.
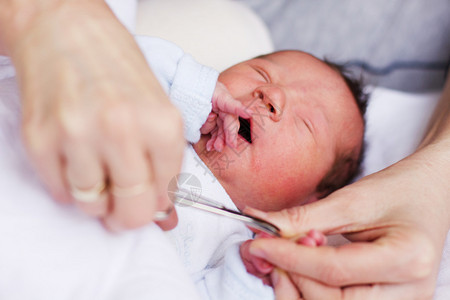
(165, 153)
(86, 178)
(169, 222)
(355, 263)
(283, 287)
(315, 290)
(131, 188)
(46, 157)
(340, 212)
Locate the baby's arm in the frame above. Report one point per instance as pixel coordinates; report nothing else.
(205, 104)
(190, 85)
(261, 268)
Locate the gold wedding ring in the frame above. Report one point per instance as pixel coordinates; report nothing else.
(88, 195)
(128, 192)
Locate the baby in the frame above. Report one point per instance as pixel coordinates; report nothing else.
(300, 138)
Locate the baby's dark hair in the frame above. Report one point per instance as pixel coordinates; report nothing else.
(346, 165)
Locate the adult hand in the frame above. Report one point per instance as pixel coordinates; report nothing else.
(96, 123)
(396, 220)
(223, 121)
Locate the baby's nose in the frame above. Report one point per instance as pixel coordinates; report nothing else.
(274, 100)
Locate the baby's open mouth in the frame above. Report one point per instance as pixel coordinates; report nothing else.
(244, 129)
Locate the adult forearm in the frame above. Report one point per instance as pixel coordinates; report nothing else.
(433, 154)
(439, 128)
(437, 140)
(18, 17)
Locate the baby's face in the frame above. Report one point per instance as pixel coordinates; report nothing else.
(304, 115)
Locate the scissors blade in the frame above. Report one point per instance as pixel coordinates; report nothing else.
(184, 198)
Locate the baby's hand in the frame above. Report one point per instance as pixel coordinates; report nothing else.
(261, 268)
(223, 121)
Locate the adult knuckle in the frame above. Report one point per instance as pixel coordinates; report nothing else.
(75, 128)
(117, 120)
(36, 140)
(297, 216)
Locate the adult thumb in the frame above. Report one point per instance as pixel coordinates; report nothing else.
(342, 212)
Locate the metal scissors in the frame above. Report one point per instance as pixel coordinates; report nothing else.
(186, 198)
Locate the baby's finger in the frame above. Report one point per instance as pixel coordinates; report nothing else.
(223, 102)
(232, 106)
(211, 141)
(219, 143)
(230, 128)
(319, 238)
(210, 124)
(307, 241)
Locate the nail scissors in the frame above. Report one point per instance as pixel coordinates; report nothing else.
(186, 198)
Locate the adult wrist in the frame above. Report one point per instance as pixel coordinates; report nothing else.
(19, 17)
